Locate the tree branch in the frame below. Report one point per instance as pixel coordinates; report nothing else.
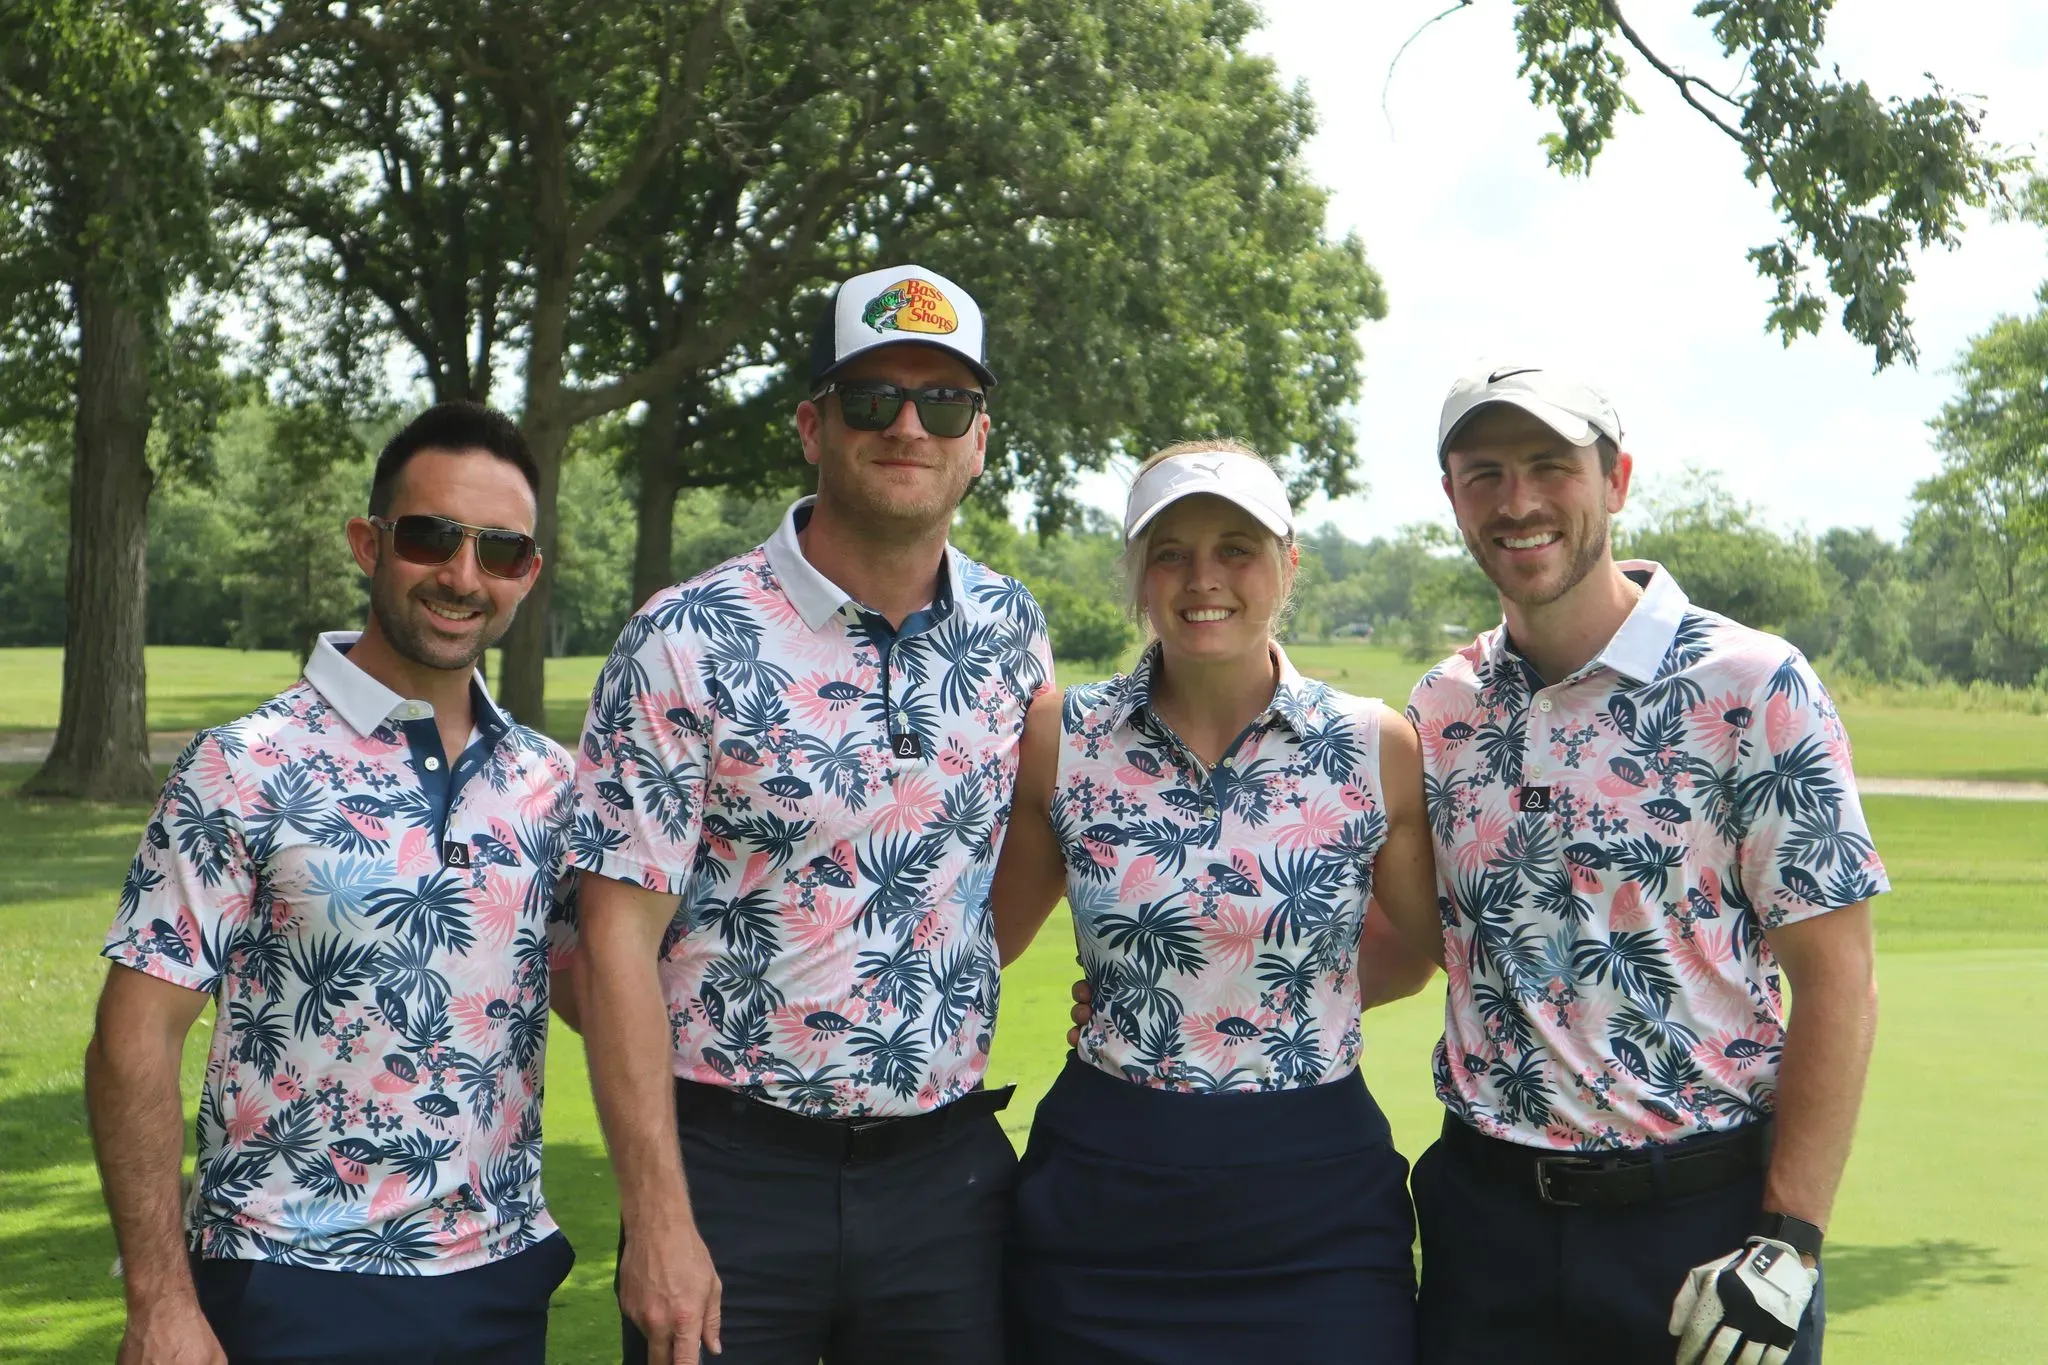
(1680, 79)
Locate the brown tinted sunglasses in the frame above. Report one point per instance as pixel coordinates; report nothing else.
(426, 540)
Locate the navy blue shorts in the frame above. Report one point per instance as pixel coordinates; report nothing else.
(1507, 1277)
(494, 1314)
(1183, 1229)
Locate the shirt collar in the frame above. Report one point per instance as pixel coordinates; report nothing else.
(1636, 651)
(1290, 692)
(365, 703)
(815, 596)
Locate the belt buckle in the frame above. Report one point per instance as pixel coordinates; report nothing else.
(1544, 1166)
(857, 1149)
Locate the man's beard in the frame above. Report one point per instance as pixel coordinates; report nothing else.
(869, 509)
(411, 638)
(1590, 551)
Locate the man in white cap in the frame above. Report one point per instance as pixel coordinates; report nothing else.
(1644, 811)
(792, 787)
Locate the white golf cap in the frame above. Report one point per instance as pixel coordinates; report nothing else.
(1576, 411)
(1245, 480)
(902, 305)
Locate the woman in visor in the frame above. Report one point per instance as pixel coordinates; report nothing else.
(1209, 1179)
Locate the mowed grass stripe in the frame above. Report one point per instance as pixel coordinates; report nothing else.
(1943, 1220)
(190, 688)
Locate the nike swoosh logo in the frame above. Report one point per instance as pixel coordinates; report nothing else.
(1499, 375)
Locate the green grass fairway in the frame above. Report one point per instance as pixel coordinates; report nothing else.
(191, 687)
(1943, 1221)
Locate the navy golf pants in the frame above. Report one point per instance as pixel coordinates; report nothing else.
(1507, 1277)
(1156, 1228)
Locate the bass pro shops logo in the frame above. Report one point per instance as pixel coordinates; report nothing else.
(911, 305)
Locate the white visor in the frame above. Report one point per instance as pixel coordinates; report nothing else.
(1245, 480)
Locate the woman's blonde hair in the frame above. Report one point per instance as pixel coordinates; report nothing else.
(1139, 550)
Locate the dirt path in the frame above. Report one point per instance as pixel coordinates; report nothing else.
(32, 746)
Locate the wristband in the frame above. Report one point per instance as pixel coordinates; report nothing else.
(1802, 1236)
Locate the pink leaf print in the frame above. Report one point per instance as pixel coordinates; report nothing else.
(1141, 880)
(823, 702)
(1730, 1056)
(1781, 724)
(251, 1113)
(955, 760)
(1489, 834)
(370, 746)
(911, 806)
(416, 856)
(497, 909)
(1320, 824)
(1131, 775)
(389, 1200)
(1247, 867)
(351, 1171)
(1627, 914)
(815, 929)
(1232, 937)
(367, 825)
(268, 754)
(470, 1013)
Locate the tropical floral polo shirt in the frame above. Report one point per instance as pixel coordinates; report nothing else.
(826, 796)
(1609, 851)
(375, 926)
(1218, 910)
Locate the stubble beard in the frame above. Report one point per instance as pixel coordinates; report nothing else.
(1587, 552)
(399, 616)
(875, 514)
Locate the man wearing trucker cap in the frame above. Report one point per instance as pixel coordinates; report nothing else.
(792, 786)
(1644, 813)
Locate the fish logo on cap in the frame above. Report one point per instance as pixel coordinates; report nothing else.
(911, 305)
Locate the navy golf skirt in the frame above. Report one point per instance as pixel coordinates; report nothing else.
(1160, 1228)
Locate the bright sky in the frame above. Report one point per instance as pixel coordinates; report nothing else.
(1636, 276)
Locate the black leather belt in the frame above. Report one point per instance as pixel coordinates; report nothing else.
(1613, 1179)
(751, 1122)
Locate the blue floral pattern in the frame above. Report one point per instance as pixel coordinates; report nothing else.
(380, 972)
(826, 799)
(1218, 910)
(1610, 851)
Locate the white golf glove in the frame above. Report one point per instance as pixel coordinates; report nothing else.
(1744, 1309)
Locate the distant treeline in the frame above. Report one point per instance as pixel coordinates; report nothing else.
(249, 553)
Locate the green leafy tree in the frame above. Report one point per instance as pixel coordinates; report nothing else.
(1857, 181)
(665, 187)
(1979, 534)
(104, 217)
(1728, 560)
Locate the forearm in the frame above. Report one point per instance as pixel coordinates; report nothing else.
(1820, 1090)
(1390, 967)
(564, 996)
(626, 1035)
(138, 1133)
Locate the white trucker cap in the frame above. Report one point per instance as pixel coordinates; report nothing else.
(899, 305)
(1233, 476)
(1576, 411)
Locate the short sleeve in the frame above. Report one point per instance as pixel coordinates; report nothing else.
(192, 879)
(643, 765)
(1805, 846)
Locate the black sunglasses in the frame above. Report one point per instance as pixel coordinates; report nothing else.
(871, 405)
(436, 540)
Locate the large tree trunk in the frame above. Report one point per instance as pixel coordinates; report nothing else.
(102, 748)
(660, 479)
(522, 689)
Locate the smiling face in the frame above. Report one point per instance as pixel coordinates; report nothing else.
(445, 616)
(1533, 508)
(1213, 580)
(903, 480)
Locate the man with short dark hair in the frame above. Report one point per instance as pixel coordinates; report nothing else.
(364, 875)
(1643, 812)
(791, 790)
